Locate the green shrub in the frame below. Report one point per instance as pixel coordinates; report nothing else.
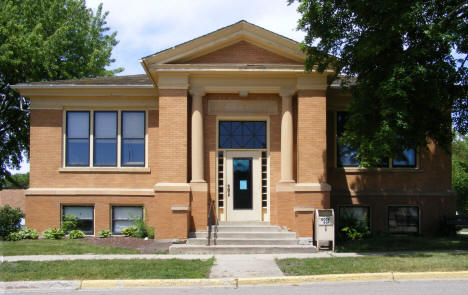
(104, 233)
(130, 231)
(28, 233)
(9, 220)
(143, 230)
(69, 223)
(76, 234)
(13, 236)
(53, 234)
(351, 228)
(151, 232)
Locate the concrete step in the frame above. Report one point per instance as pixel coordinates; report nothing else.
(200, 241)
(240, 249)
(244, 223)
(234, 228)
(246, 235)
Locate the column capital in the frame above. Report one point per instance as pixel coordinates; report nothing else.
(197, 92)
(287, 92)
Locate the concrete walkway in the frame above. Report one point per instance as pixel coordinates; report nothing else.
(226, 265)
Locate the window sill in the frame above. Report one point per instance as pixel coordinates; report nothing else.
(353, 170)
(105, 169)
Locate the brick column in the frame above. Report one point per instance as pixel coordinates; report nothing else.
(311, 136)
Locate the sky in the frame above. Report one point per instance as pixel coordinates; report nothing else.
(145, 27)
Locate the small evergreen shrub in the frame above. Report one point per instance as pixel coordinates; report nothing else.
(53, 234)
(76, 234)
(130, 231)
(9, 220)
(13, 236)
(69, 223)
(28, 233)
(104, 233)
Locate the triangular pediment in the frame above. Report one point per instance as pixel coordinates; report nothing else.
(242, 52)
(240, 43)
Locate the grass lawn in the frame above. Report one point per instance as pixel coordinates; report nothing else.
(464, 230)
(44, 247)
(404, 243)
(373, 264)
(105, 269)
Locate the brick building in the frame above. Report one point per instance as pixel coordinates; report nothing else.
(229, 117)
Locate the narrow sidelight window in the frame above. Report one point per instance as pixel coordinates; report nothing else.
(105, 139)
(133, 138)
(77, 139)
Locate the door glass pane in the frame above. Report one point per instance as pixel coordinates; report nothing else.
(242, 175)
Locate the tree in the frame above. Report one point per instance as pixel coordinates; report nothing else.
(460, 172)
(44, 40)
(404, 63)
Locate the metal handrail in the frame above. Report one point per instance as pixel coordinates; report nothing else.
(211, 214)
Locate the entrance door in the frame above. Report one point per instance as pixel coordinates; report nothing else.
(243, 189)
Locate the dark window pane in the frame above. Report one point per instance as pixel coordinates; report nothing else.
(347, 157)
(77, 152)
(105, 152)
(133, 152)
(105, 138)
(403, 219)
(133, 139)
(77, 141)
(84, 215)
(242, 134)
(407, 159)
(354, 214)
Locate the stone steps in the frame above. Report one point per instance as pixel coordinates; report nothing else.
(203, 241)
(242, 238)
(240, 249)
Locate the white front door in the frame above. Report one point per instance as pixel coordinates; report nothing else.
(243, 189)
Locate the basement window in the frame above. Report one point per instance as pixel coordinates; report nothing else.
(84, 216)
(125, 216)
(403, 219)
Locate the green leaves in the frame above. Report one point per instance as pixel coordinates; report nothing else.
(45, 40)
(405, 57)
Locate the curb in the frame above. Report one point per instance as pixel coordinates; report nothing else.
(234, 282)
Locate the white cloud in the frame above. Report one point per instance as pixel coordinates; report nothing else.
(145, 26)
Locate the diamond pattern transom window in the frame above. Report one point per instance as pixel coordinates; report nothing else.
(242, 134)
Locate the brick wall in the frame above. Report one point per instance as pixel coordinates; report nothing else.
(13, 197)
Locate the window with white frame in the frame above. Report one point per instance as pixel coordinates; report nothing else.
(94, 139)
(84, 216)
(403, 219)
(125, 216)
(347, 156)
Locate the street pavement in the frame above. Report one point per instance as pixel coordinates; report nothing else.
(426, 287)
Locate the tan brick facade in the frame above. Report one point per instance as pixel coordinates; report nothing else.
(172, 204)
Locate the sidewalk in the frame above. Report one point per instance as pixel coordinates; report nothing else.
(226, 265)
